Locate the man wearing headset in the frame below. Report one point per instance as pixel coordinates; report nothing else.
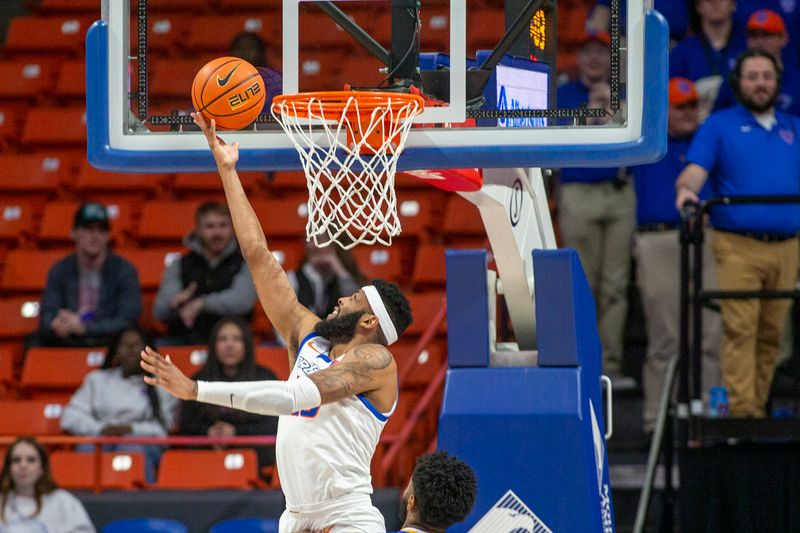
(750, 149)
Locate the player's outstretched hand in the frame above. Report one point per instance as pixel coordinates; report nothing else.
(226, 155)
(167, 376)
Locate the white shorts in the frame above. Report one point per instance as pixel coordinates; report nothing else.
(353, 513)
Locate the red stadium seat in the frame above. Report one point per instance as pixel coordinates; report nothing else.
(30, 79)
(275, 358)
(289, 253)
(92, 180)
(59, 369)
(16, 220)
(424, 307)
(429, 266)
(26, 270)
(421, 369)
(30, 417)
(72, 79)
(208, 469)
(54, 126)
(380, 262)
(54, 35)
(415, 211)
(40, 173)
(190, 359)
(283, 218)
(151, 263)
(166, 32)
(209, 182)
(6, 370)
(12, 116)
(215, 34)
(20, 317)
(172, 78)
(167, 220)
(462, 218)
(119, 470)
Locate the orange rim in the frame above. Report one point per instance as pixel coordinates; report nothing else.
(334, 102)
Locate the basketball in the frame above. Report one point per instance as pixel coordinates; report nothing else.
(229, 90)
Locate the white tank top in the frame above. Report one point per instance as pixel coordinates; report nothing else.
(325, 452)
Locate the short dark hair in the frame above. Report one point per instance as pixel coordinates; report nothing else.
(444, 488)
(211, 207)
(396, 305)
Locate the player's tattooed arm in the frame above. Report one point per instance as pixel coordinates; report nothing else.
(366, 368)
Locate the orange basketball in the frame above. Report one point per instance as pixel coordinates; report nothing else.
(229, 90)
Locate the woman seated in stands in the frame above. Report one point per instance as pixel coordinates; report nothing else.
(29, 498)
(115, 401)
(230, 358)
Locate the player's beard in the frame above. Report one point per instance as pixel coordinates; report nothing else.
(341, 329)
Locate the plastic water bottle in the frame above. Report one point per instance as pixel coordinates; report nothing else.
(718, 402)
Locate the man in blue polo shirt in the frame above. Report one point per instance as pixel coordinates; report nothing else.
(658, 255)
(750, 149)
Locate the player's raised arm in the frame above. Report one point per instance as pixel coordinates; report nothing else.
(291, 319)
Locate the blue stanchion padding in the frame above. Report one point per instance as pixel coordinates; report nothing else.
(566, 321)
(537, 432)
(468, 308)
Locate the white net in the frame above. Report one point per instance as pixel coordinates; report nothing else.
(349, 148)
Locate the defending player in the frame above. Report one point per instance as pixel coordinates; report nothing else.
(341, 390)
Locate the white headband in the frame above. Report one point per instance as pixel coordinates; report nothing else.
(376, 303)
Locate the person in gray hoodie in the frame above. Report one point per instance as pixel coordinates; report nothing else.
(209, 282)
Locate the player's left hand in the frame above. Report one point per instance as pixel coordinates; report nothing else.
(167, 376)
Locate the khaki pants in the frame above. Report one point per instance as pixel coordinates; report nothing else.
(752, 327)
(658, 277)
(598, 220)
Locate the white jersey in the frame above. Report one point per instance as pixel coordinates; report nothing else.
(325, 452)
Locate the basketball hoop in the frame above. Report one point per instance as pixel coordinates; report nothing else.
(349, 143)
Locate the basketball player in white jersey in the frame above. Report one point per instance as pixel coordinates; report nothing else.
(341, 390)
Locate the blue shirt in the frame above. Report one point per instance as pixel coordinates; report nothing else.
(655, 185)
(694, 58)
(569, 96)
(742, 158)
(675, 11)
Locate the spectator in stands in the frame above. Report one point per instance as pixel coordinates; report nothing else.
(766, 31)
(658, 255)
(325, 275)
(230, 358)
(750, 149)
(789, 11)
(706, 58)
(675, 11)
(594, 66)
(252, 48)
(92, 294)
(597, 217)
(114, 401)
(209, 282)
(30, 499)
